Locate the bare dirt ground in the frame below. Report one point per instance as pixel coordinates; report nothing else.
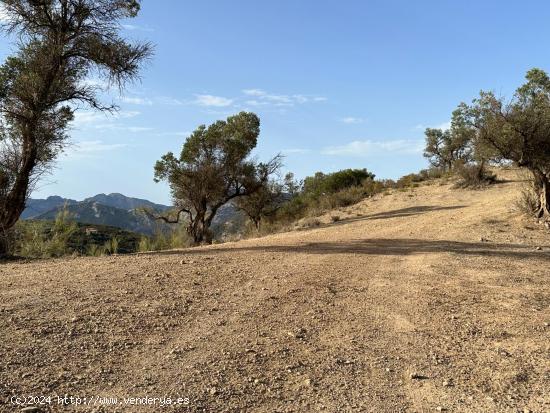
(419, 301)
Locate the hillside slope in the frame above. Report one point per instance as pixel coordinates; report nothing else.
(425, 300)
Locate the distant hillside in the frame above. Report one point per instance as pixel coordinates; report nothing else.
(95, 213)
(123, 202)
(36, 207)
(117, 210)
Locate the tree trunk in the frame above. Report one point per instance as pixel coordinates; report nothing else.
(4, 250)
(199, 229)
(542, 187)
(15, 201)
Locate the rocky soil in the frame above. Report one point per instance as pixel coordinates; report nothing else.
(425, 300)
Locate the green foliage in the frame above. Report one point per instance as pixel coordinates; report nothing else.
(43, 239)
(321, 183)
(39, 241)
(444, 148)
(263, 203)
(517, 131)
(213, 168)
(163, 240)
(323, 192)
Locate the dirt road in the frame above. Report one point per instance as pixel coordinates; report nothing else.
(419, 301)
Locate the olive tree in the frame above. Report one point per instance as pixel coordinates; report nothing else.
(519, 131)
(446, 148)
(61, 44)
(213, 168)
(263, 203)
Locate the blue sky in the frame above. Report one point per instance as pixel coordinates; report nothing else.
(336, 84)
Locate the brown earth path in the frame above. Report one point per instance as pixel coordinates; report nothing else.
(419, 301)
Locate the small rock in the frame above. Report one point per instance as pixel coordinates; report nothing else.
(416, 376)
(538, 249)
(31, 409)
(213, 391)
(448, 383)
(482, 239)
(440, 409)
(526, 410)
(307, 382)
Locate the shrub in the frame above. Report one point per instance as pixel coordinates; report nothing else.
(111, 246)
(474, 176)
(37, 241)
(321, 183)
(311, 223)
(528, 201)
(335, 218)
(163, 240)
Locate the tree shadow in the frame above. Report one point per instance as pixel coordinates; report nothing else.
(407, 212)
(389, 247)
(396, 213)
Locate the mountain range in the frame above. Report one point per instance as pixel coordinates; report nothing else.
(116, 210)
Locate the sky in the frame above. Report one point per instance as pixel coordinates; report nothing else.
(337, 84)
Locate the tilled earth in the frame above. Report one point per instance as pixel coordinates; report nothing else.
(426, 300)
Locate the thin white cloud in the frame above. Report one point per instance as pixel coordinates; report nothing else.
(184, 134)
(97, 146)
(89, 149)
(95, 82)
(443, 126)
(254, 102)
(254, 92)
(137, 101)
(295, 151)
(134, 27)
(351, 120)
(88, 119)
(261, 97)
(210, 100)
(134, 129)
(167, 100)
(371, 147)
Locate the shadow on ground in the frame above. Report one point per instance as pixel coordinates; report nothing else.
(391, 246)
(396, 213)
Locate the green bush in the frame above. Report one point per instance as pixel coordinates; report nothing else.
(36, 240)
(321, 183)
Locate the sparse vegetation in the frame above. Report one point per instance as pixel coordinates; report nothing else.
(36, 240)
(474, 176)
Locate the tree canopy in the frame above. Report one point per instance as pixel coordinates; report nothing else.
(213, 168)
